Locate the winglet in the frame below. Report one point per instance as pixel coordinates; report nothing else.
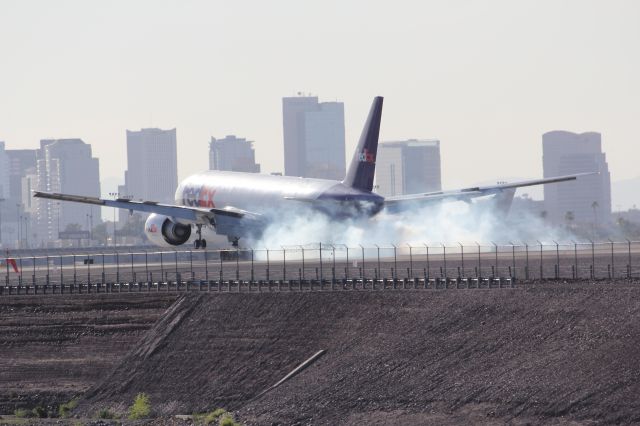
(363, 164)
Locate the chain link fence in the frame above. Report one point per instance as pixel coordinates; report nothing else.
(323, 264)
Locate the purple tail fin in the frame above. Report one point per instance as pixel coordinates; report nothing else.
(363, 165)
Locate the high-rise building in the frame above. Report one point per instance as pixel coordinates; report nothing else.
(152, 165)
(313, 138)
(408, 167)
(20, 204)
(232, 154)
(588, 198)
(66, 166)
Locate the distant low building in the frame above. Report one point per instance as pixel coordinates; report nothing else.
(232, 154)
(408, 167)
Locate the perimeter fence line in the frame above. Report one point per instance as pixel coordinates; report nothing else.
(323, 265)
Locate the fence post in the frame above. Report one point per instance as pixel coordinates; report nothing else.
(133, 272)
(462, 257)
(193, 275)
(496, 272)
(117, 269)
(628, 267)
(89, 273)
(479, 272)
(284, 263)
(593, 259)
(252, 272)
(268, 264)
(444, 256)
(541, 261)
(428, 263)
(395, 263)
(362, 268)
(513, 260)
(347, 270)
(575, 258)
(378, 273)
(333, 269)
(320, 253)
(6, 261)
(613, 271)
(146, 266)
(176, 261)
(238, 266)
(557, 260)
(20, 274)
(410, 260)
(74, 269)
(61, 275)
(46, 259)
(222, 268)
(303, 278)
(161, 272)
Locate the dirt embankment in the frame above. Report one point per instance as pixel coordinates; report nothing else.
(552, 353)
(55, 347)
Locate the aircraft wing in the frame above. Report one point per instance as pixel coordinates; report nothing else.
(195, 215)
(467, 194)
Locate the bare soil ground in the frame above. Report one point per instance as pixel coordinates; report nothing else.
(55, 347)
(552, 353)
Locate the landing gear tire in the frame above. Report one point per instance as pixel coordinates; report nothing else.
(199, 242)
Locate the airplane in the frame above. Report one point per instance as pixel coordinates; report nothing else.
(240, 204)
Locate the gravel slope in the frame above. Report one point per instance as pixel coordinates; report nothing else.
(556, 353)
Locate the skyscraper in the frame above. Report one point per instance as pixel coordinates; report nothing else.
(313, 138)
(66, 166)
(408, 167)
(152, 165)
(22, 162)
(589, 198)
(232, 154)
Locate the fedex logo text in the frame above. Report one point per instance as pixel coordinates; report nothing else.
(367, 157)
(198, 197)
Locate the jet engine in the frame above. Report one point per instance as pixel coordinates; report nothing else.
(164, 232)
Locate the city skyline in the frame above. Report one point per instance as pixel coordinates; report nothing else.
(519, 70)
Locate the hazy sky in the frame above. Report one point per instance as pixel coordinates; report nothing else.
(487, 78)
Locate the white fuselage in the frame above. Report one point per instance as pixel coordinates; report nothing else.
(252, 192)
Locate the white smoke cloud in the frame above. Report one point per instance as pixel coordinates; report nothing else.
(447, 223)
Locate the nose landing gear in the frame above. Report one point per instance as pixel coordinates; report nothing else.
(200, 242)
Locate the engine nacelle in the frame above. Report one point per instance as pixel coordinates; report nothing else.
(164, 232)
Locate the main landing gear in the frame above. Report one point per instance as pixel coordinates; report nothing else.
(200, 242)
(235, 241)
